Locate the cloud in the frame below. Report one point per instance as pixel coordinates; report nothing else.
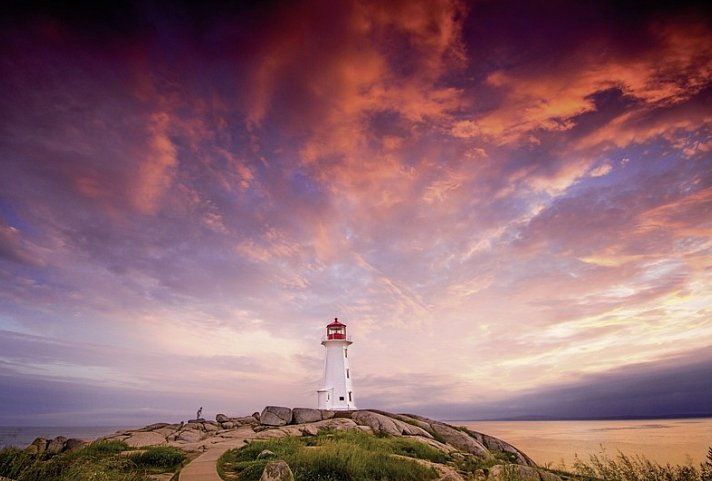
(483, 186)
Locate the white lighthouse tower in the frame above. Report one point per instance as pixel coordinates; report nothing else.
(337, 392)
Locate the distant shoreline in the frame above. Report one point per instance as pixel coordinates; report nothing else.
(605, 418)
(516, 418)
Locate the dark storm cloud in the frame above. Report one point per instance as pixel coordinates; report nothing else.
(675, 387)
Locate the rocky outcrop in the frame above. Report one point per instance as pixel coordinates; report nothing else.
(148, 438)
(153, 427)
(56, 445)
(60, 444)
(461, 440)
(277, 471)
(38, 446)
(383, 424)
(496, 444)
(189, 436)
(276, 416)
(305, 415)
(72, 444)
(275, 421)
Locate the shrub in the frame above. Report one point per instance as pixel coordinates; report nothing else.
(13, 462)
(632, 468)
(159, 457)
(99, 461)
(102, 448)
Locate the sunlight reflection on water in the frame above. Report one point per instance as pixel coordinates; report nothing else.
(675, 441)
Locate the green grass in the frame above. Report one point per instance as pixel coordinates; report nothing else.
(158, 458)
(472, 463)
(637, 468)
(341, 456)
(100, 461)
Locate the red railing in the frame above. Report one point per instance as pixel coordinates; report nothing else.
(336, 337)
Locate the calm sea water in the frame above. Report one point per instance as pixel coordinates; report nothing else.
(22, 436)
(674, 441)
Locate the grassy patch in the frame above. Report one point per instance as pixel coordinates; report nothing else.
(341, 456)
(638, 468)
(98, 461)
(158, 458)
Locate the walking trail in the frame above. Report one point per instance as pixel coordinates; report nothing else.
(205, 466)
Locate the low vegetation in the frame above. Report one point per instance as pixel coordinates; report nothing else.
(638, 468)
(335, 456)
(106, 461)
(473, 464)
(356, 456)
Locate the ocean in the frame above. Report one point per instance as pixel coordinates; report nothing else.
(22, 436)
(674, 441)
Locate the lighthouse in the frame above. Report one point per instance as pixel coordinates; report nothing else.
(337, 391)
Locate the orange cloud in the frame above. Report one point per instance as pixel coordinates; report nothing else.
(672, 71)
(156, 169)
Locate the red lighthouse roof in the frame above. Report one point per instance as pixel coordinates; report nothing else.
(336, 323)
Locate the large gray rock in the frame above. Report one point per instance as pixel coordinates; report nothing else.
(305, 415)
(410, 419)
(451, 476)
(276, 416)
(378, 422)
(246, 420)
(460, 440)
(140, 439)
(496, 444)
(56, 445)
(309, 430)
(277, 471)
(381, 423)
(227, 425)
(190, 436)
(327, 413)
(221, 418)
(73, 444)
(38, 446)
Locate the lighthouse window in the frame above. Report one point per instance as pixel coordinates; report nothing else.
(341, 398)
(350, 400)
(347, 374)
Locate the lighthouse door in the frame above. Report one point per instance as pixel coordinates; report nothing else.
(324, 398)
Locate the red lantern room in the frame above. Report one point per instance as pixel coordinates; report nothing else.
(336, 330)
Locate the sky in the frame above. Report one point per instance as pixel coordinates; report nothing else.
(508, 203)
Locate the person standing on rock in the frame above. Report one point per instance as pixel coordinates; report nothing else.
(200, 412)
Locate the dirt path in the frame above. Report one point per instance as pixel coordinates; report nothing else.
(204, 467)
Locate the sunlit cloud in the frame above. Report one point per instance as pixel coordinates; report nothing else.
(493, 211)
